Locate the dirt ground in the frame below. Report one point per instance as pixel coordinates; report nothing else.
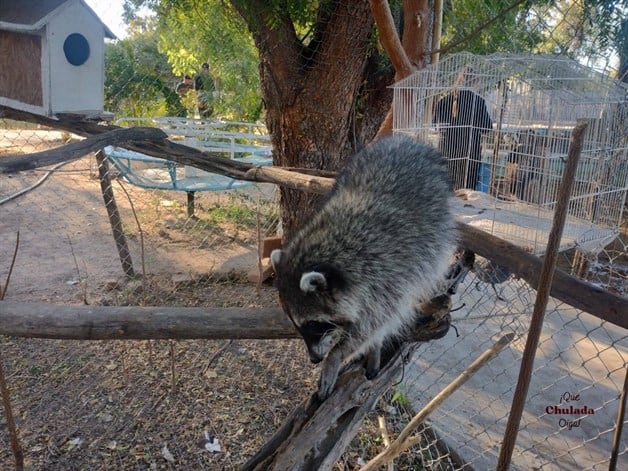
(189, 404)
(133, 405)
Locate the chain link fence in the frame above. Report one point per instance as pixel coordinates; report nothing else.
(163, 404)
(212, 404)
(129, 405)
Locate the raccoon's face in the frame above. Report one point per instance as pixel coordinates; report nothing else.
(310, 300)
(320, 338)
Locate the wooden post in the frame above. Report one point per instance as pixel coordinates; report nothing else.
(543, 293)
(114, 215)
(621, 411)
(190, 203)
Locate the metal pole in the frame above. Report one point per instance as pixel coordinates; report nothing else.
(543, 292)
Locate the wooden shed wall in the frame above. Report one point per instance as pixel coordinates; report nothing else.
(20, 67)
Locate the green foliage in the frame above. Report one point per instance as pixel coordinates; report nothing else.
(511, 33)
(581, 28)
(136, 79)
(576, 28)
(195, 31)
(400, 399)
(235, 213)
(189, 32)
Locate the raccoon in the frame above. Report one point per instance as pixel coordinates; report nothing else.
(350, 278)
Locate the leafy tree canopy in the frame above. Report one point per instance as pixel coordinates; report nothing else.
(138, 78)
(191, 32)
(588, 29)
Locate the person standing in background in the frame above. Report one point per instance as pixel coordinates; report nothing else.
(205, 87)
(184, 86)
(462, 117)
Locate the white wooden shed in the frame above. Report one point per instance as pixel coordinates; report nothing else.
(52, 57)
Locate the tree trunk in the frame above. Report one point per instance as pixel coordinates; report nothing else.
(309, 88)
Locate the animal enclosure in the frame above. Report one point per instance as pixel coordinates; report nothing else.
(125, 404)
(504, 122)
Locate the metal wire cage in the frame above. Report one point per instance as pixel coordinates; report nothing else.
(504, 123)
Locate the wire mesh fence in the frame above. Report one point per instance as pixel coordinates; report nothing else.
(221, 235)
(211, 404)
(580, 363)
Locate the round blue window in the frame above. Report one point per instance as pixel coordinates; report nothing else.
(76, 49)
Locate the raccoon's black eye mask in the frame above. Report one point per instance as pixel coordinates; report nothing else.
(334, 277)
(316, 329)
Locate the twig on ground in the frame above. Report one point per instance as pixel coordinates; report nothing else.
(18, 454)
(173, 376)
(6, 283)
(216, 354)
(78, 271)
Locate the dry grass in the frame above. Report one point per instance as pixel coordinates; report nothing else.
(116, 404)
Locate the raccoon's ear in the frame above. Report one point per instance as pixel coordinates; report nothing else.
(275, 258)
(323, 277)
(334, 278)
(312, 281)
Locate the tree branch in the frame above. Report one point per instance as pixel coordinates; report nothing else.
(76, 150)
(568, 289)
(390, 39)
(448, 47)
(579, 294)
(40, 320)
(279, 46)
(416, 28)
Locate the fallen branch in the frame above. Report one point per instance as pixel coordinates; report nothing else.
(404, 441)
(76, 150)
(39, 320)
(3, 289)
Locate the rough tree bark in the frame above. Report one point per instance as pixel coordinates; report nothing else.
(309, 89)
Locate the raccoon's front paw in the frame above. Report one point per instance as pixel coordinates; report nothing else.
(372, 362)
(325, 387)
(329, 373)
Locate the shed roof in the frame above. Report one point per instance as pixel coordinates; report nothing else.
(32, 15)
